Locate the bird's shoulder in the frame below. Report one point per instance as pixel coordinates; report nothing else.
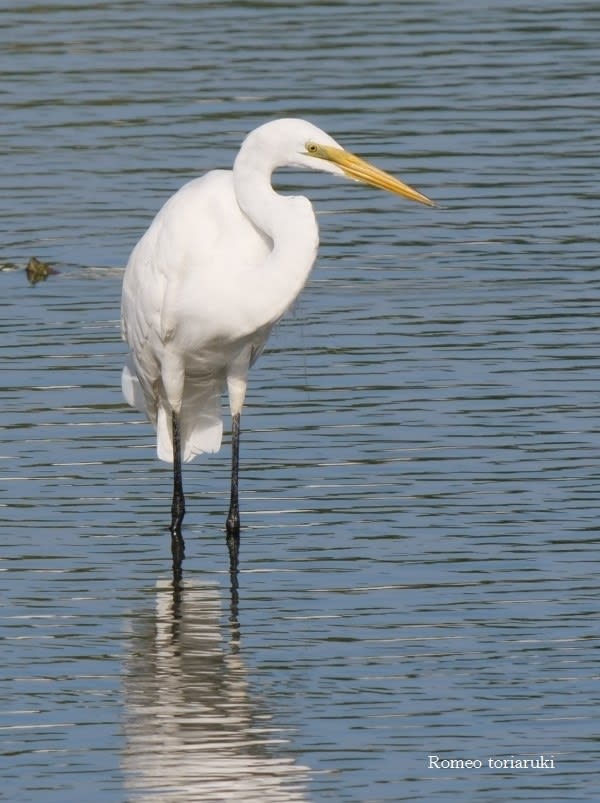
(196, 224)
(199, 245)
(203, 201)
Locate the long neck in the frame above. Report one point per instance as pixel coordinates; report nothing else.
(290, 224)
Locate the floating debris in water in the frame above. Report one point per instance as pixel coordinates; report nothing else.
(38, 271)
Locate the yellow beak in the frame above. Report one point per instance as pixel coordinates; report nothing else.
(360, 170)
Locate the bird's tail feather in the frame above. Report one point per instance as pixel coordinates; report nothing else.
(130, 385)
(201, 424)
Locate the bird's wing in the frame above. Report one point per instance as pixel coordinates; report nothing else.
(178, 308)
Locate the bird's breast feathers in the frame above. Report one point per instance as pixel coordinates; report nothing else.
(194, 265)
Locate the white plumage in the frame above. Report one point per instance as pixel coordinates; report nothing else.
(220, 264)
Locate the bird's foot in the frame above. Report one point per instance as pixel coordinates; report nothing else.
(178, 553)
(233, 543)
(232, 527)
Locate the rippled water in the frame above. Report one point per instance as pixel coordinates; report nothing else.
(420, 447)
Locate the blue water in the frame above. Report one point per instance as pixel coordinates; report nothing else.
(420, 443)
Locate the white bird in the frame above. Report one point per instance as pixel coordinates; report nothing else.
(220, 264)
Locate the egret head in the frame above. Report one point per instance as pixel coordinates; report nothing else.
(296, 142)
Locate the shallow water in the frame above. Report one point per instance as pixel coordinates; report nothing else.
(420, 442)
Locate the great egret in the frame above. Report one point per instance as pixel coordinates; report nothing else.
(222, 261)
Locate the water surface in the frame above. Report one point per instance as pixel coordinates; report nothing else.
(420, 447)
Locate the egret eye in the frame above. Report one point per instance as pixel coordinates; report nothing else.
(312, 148)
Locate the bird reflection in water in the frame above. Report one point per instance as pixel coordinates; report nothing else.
(192, 731)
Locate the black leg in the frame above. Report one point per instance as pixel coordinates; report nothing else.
(234, 592)
(178, 506)
(233, 519)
